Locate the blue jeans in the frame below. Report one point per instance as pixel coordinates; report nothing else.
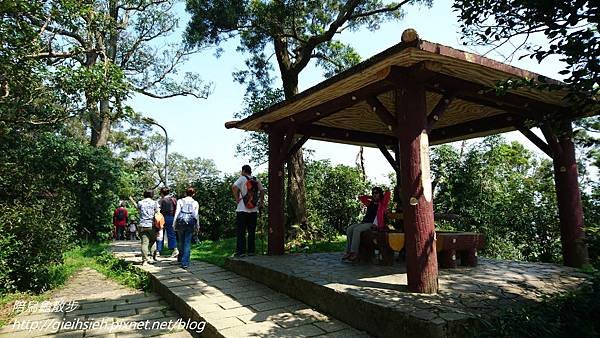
(184, 245)
(171, 235)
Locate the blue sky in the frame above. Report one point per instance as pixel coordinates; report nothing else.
(196, 127)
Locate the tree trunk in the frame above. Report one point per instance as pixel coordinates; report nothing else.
(101, 122)
(101, 125)
(296, 188)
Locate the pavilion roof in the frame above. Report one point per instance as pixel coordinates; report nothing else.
(357, 105)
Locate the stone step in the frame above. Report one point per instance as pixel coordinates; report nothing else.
(231, 305)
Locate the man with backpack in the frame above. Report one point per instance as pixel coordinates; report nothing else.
(248, 193)
(120, 221)
(147, 208)
(186, 223)
(168, 205)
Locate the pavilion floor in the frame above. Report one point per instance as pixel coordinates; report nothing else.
(374, 298)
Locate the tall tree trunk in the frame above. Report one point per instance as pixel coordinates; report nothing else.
(101, 125)
(296, 187)
(101, 122)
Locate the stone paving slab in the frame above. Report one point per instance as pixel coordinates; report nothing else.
(96, 300)
(374, 298)
(233, 305)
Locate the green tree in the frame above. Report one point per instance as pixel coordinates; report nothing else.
(570, 27)
(55, 190)
(504, 192)
(100, 52)
(27, 99)
(295, 32)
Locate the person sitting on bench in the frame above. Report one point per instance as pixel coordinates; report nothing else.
(376, 207)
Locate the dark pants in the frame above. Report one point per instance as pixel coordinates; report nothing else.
(120, 232)
(245, 220)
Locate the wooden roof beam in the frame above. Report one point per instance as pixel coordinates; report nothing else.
(297, 146)
(429, 72)
(345, 136)
(535, 139)
(384, 115)
(389, 157)
(438, 111)
(496, 122)
(487, 96)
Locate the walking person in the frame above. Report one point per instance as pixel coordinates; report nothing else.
(132, 230)
(147, 208)
(120, 221)
(186, 222)
(168, 205)
(248, 193)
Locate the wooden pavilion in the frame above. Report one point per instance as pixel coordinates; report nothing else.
(413, 95)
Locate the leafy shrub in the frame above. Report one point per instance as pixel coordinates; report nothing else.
(332, 197)
(54, 190)
(217, 207)
(504, 192)
(38, 234)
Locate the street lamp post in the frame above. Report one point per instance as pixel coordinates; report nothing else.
(152, 121)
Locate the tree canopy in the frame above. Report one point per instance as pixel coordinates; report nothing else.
(294, 32)
(570, 28)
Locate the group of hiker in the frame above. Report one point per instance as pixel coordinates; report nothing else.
(178, 220)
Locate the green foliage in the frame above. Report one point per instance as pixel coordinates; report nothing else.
(254, 146)
(575, 314)
(54, 190)
(502, 191)
(332, 197)
(570, 27)
(217, 207)
(333, 244)
(591, 207)
(37, 234)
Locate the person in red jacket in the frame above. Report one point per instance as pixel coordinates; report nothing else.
(376, 205)
(120, 221)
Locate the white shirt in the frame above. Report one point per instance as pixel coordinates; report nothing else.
(241, 185)
(147, 208)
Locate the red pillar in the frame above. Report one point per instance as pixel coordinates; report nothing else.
(570, 210)
(417, 199)
(276, 217)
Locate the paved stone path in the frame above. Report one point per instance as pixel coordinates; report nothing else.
(463, 292)
(89, 298)
(232, 305)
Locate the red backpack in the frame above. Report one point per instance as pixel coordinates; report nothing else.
(252, 197)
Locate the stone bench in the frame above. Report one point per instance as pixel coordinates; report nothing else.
(451, 247)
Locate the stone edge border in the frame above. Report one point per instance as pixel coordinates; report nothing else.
(376, 319)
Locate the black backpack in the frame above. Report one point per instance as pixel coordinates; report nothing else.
(120, 214)
(186, 215)
(252, 197)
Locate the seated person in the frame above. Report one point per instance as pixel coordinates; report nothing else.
(376, 207)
